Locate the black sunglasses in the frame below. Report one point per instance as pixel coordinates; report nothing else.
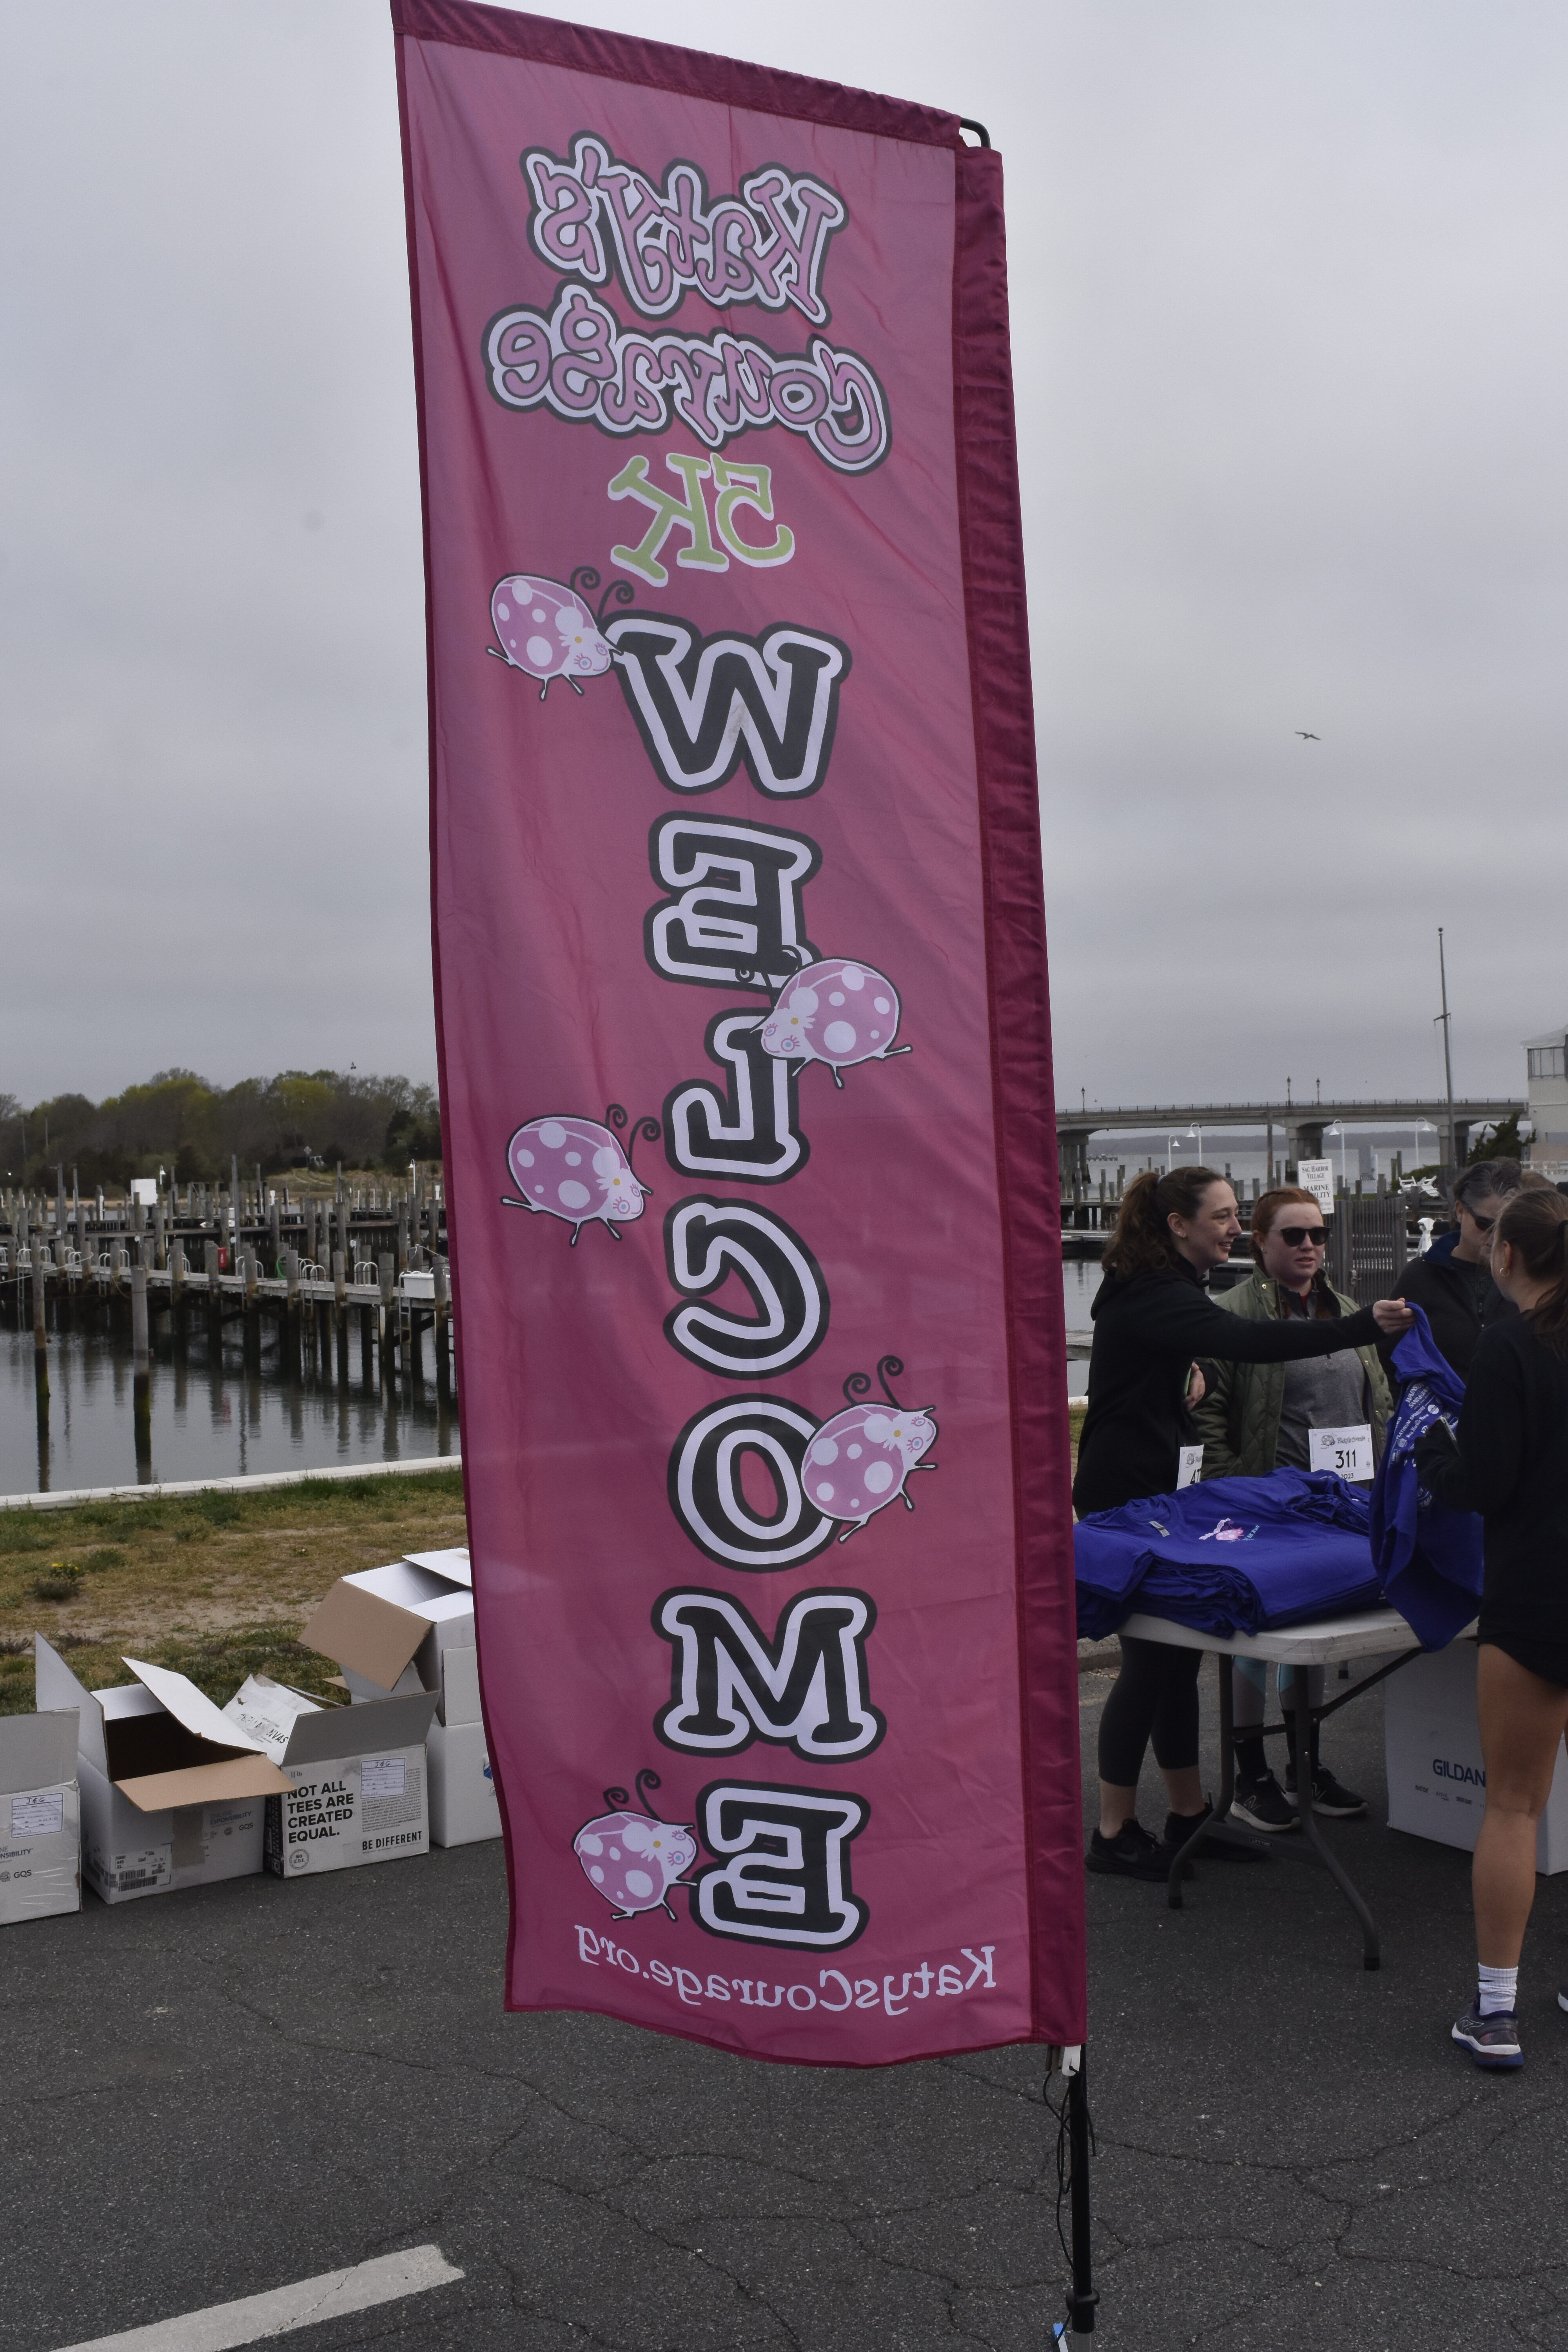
(1481, 1224)
(1294, 1236)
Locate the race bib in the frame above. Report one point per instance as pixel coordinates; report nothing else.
(1190, 1466)
(1346, 1452)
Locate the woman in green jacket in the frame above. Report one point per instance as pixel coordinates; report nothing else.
(1256, 1418)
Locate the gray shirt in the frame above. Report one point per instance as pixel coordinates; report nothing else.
(1321, 1392)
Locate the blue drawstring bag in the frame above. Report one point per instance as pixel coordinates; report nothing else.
(1429, 1558)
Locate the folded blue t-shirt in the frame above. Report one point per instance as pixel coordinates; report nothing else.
(1429, 1558)
(1228, 1556)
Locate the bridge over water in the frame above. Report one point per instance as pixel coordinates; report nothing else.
(1300, 1125)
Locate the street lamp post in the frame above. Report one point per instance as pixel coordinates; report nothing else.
(1447, 1052)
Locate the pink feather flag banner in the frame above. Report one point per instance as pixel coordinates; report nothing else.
(745, 1042)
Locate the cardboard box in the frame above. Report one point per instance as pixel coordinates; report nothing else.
(394, 1628)
(357, 1781)
(453, 1564)
(463, 1803)
(457, 1702)
(268, 1712)
(40, 1857)
(1432, 1749)
(172, 1793)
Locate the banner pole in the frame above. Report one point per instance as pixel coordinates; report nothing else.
(1082, 2298)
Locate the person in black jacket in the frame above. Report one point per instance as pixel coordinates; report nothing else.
(1153, 1323)
(1511, 1463)
(1453, 1283)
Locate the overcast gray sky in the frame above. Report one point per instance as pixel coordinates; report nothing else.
(1289, 342)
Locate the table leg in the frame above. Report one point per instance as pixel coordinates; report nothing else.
(1221, 1813)
(1372, 1957)
(1226, 1665)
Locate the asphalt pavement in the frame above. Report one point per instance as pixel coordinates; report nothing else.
(216, 2093)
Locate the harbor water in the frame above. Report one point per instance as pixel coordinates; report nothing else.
(205, 1418)
(213, 1418)
(1080, 1280)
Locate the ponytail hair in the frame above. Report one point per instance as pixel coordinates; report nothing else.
(1141, 1242)
(1535, 1221)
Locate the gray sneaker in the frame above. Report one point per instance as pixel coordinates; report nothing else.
(1490, 2040)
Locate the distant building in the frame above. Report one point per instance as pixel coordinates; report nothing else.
(1546, 1067)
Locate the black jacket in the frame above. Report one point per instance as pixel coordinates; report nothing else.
(1512, 1466)
(1446, 1292)
(1149, 1329)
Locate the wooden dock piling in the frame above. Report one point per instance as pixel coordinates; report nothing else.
(293, 1332)
(40, 1293)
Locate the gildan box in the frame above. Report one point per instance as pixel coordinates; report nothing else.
(172, 1793)
(40, 1871)
(463, 1805)
(1432, 1748)
(357, 1779)
(408, 1626)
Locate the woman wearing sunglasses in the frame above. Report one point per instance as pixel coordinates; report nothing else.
(1255, 1417)
(1152, 1321)
(1453, 1283)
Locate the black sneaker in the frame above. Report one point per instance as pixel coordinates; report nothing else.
(1260, 1805)
(1490, 2040)
(1334, 1802)
(1131, 1854)
(1225, 1844)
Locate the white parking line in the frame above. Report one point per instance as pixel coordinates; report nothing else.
(253, 2317)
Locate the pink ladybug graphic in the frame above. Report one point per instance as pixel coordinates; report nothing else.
(573, 1168)
(551, 632)
(835, 1010)
(858, 1460)
(634, 1859)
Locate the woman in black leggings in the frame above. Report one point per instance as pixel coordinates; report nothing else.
(1152, 1324)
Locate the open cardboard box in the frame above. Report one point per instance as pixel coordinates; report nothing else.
(172, 1793)
(408, 1626)
(41, 1873)
(356, 1783)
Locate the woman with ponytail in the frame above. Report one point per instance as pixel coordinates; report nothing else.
(1153, 1321)
(1511, 1463)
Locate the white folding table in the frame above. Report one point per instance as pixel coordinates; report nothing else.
(1325, 1641)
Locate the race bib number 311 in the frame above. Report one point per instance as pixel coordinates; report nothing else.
(1346, 1452)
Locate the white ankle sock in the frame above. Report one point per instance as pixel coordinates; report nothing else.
(1498, 1990)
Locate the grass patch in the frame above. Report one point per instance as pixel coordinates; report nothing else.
(214, 1585)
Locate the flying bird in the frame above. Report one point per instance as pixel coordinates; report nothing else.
(1306, 738)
